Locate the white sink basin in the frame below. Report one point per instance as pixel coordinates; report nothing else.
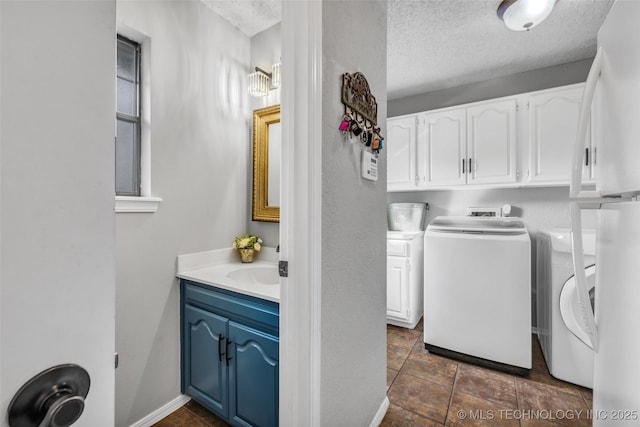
(263, 275)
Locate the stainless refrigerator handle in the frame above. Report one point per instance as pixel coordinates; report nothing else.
(582, 290)
(575, 187)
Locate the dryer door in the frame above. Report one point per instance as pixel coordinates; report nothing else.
(570, 306)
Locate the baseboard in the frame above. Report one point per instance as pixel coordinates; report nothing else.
(162, 412)
(382, 411)
(403, 324)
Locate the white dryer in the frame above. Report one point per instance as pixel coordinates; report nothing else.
(568, 358)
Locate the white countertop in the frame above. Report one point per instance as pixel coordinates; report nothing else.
(404, 235)
(212, 268)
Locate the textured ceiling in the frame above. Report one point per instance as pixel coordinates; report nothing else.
(250, 16)
(436, 44)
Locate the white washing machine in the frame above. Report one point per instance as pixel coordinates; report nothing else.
(568, 358)
(477, 291)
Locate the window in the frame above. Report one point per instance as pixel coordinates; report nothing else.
(133, 120)
(128, 132)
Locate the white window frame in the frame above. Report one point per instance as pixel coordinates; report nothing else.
(145, 203)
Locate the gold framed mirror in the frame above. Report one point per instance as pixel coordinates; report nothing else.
(266, 164)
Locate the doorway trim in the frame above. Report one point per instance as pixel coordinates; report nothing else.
(300, 226)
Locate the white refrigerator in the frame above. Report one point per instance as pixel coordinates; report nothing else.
(612, 97)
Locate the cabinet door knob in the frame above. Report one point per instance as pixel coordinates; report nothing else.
(220, 353)
(463, 166)
(469, 164)
(227, 351)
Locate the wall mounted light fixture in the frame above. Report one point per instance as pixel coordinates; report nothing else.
(523, 15)
(261, 81)
(275, 76)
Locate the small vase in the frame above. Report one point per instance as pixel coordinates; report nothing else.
(246, 255)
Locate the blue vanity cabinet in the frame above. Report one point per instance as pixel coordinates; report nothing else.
(230, 351)
(205, 374)
(254, 371)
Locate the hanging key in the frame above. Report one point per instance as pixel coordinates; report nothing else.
(344, 125)
(355, 128)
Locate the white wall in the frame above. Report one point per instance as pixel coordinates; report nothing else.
(353, 341)
(57, 174)
(540, 208)
(266, 48)
(200, 144)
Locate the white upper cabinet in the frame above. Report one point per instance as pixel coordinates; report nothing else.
(401, 153)
(473, 144)
(491, 144)
(491, 149)
(591, 158)
(553, 124)
(446, 147)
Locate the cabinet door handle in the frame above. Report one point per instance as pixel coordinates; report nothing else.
(220, 353)
(227, 351)
(463, 166)
(469, 164)
(586, 157)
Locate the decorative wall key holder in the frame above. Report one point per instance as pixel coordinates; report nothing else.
(357, 97)
(360, 111)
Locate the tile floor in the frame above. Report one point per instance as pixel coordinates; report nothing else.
(429, 390)
(191, 415)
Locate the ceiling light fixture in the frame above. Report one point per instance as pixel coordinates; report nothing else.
(261, 82)
(523, 15)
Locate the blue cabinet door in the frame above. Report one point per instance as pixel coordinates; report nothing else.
(205, 374)
(253, 377)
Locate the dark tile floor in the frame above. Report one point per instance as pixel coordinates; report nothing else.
(429, 390)
(191, 415)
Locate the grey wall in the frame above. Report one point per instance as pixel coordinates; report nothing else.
(353, 355)
(266, 48)
(544, 78)
(199, 149)
(57, 149)
(540, 208)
